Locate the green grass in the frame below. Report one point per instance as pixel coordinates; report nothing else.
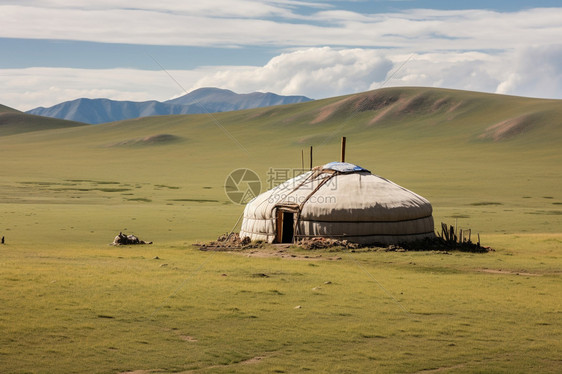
(110, 309)
(70, 302)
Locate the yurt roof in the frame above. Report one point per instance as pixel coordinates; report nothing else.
(343, 191)
(343, 167)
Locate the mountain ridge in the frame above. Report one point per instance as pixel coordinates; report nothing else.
(202, 100)
(415, 113)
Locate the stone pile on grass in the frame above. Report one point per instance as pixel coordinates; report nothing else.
(228, 242)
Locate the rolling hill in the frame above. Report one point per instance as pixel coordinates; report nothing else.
(425, 115)
(7, 109)
(455, 148)
(203, 100)
(13, 121)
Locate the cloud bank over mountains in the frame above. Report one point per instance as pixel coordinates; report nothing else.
(317, 49)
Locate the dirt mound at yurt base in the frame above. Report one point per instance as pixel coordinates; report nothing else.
(229, 242)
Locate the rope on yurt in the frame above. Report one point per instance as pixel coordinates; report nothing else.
(301, 205)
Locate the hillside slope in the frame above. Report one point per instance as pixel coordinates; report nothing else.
(411, 113)
(493, 160)
(6, 109)
(430, 113)
(15, 122)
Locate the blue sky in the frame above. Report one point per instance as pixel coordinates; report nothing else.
(58, 50)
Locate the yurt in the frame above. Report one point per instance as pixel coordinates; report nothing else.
(341, 201)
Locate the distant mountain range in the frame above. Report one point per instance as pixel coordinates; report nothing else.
(203, 100)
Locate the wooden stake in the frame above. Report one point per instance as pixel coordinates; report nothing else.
(310, 157)
(302, 160)
(455, 226)
(343, 149)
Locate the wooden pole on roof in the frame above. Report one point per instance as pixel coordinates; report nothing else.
(342, 149)
(310, 157)
(302, 160)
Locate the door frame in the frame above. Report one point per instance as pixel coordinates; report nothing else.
(280, 228)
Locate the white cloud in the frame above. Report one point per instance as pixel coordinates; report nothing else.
(326, 72)
(505, 52)
(220, 22)
(474, 71)
(214, 8)
(278, 23)
(25, 89)
(534, 71)
(315, 72)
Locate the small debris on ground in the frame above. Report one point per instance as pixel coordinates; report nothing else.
(435, 244)
(320, 243)
(228, 242)
(439, 245)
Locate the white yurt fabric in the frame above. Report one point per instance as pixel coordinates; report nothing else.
(341, 201)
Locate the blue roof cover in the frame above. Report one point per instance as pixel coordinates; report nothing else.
(344, 167)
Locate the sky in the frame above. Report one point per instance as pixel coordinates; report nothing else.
(58, 50)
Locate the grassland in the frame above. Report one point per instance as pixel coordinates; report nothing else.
(72, 303)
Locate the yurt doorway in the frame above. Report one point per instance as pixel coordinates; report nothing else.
(285, 226)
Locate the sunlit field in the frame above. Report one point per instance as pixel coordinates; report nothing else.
(70, 302)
